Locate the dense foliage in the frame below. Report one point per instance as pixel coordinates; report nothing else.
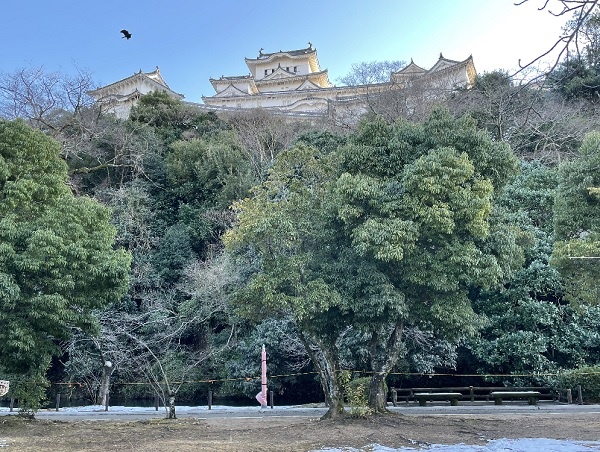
(577, 223)
(588, 378)
(57, 262)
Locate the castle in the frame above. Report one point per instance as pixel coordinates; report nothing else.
(120, 96)
(293, 83)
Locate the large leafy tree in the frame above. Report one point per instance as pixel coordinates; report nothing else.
(57, 262)
(289, 249)
(416, 202)
(394, 228)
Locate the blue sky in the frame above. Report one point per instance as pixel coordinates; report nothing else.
(192, 41)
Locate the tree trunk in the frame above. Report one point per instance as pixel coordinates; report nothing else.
(383, 359)
(107, 371)
(171, 414)
(325, 359)
(378, 393)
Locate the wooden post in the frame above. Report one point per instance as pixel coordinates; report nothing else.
(12, 403)
(209, 399)
(394, 396)
(271, 398)
(569, 396)
(57, 401)
(579, 395)
(472, 393)
(156, 402)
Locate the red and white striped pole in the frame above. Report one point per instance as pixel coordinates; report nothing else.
(262, 395)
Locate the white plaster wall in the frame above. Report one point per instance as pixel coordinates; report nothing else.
(302, 66)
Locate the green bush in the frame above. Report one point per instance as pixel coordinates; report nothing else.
(359, 388)
(357, 394)
(30, 392)
(587, 377)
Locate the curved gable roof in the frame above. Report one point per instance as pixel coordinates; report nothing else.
(279, 74)
(153, 79)
(443, 63)
(411, 69)
(319, 79)
(307, 85)
(231, 91)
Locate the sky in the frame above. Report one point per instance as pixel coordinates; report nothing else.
(193, 40)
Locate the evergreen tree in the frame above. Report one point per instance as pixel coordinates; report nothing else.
(392, 229)
(576, 252)
(57, 262)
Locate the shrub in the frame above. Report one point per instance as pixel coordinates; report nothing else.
(587, 377)
(357, 394)
(29, 390)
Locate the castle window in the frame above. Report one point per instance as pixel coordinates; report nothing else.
(295, 68)
(266, 71)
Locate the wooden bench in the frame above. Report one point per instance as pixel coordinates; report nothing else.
(470, 393)
(531, 396)
(423, 397)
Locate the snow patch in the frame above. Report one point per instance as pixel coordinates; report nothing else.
(497, 445)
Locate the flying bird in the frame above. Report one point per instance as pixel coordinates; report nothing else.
(126, 34)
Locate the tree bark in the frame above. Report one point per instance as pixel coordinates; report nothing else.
(383, 360)
(171, 414)
(326, 360)
(107, 371)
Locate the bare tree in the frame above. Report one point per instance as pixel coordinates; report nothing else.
(87, 364)
(58, 104)
(367, 73)
(46, 100)
(108, 148)
(411, 98)
(264, 134)
(164, 341)
(536, 123)
(573, 41)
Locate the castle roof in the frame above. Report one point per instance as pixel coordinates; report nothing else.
(314, 80)
(232, 78)
(411, 69)
(289, 53)
(231, 91)
(320, 78)
(443, 65)
(153, 79)
(308, 54)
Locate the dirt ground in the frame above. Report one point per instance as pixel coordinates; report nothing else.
(286, 434)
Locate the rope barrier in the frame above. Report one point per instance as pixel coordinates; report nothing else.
(271, 377)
